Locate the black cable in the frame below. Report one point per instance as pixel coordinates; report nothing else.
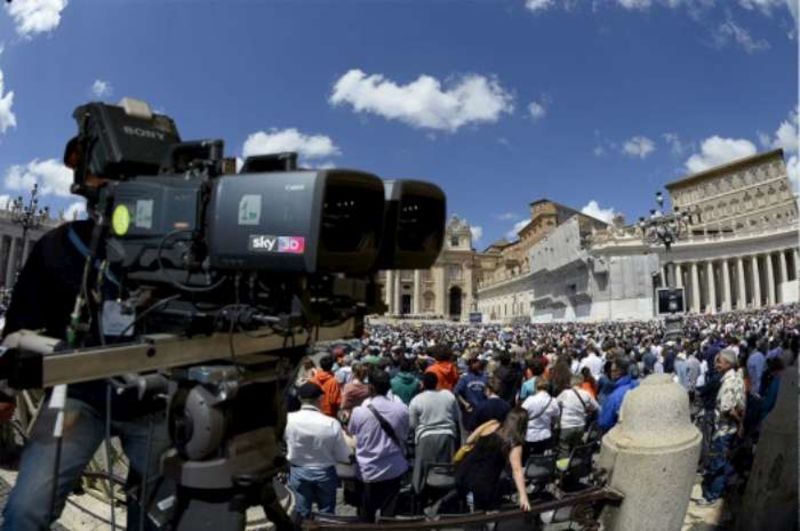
(109, 470)
(152, 307)
(165, 276)
(145, 474)
(54, 490)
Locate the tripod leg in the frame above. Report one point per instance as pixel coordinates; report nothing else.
(210, 510)
(274, 510)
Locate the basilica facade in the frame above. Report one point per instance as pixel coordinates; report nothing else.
(446, 290)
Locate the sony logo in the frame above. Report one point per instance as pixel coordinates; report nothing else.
(143, 133)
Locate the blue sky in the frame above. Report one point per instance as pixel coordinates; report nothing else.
(595, 104)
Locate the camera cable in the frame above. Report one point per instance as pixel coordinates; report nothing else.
(109, 469)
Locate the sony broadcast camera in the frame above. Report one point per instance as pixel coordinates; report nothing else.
(272, 237)
(218, 281)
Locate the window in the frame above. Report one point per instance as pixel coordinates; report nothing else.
(454, 241)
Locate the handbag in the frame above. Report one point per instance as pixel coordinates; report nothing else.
(466, 448)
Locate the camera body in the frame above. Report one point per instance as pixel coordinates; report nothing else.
(273, 233)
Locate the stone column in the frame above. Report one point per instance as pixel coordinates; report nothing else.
(770, 280)
(796, 255)
(12, 262)
(651, 455)
(726, 287)
(678, 276)
(756, 276)
(695, 289)
(397, 300)
(712, 287)
(438, 277)
(664, 276)
(389, 291)
(416, 305)
(784, 267)
(741, 293)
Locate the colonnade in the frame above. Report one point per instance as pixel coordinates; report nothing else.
(735, 283)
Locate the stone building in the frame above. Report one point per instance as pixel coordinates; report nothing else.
(13, 250)
(506, 281)
(446, 290)
(741, 252)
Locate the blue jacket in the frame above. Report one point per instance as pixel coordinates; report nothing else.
(609, 414)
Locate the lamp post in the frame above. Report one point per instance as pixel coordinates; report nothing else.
(665, 228)
(28, 216)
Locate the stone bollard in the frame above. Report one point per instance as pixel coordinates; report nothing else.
(651, 456)
(771, 493)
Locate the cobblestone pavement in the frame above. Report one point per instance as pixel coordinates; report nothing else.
(87, 514)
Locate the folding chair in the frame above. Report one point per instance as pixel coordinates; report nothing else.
(540, 471)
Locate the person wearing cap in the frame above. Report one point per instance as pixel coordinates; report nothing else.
(471, 390)
(728, 413)
(315, 442)
(380, 427)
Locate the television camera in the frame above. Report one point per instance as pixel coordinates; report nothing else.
(207, 284)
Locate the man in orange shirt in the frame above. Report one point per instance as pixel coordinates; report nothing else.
(331, 393)
(444, 369)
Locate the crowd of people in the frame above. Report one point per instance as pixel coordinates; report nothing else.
(486, 398)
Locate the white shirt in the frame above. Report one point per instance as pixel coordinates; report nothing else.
(541, 408)
(594, 363)
(573, 411)
(314, 439)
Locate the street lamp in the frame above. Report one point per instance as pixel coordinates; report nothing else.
(28, 216)
(665, 229)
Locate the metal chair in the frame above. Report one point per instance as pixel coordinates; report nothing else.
(540, 471)
(575, 468)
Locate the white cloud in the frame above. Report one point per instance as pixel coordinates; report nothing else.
(101, 89)
(477, 233)
(51, 175)
(599, 151)
(730, 31)
(786, 136)
(35, 16)
(793, 170)
(276, 141)
(7, 116)
(677, 146)
(635, 4)
(506, 216)
(518, 226)
(76, 210)
(537, 110)
(716, 150)
(638, 146)
(539, 5)
(424, 103)
(592, 208)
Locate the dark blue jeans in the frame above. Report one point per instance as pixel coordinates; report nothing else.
(718, 468)
(313, 485)
(28, 506)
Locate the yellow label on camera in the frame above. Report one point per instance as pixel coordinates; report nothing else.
(120, 220)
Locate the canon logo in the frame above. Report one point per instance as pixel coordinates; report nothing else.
(143, 133)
